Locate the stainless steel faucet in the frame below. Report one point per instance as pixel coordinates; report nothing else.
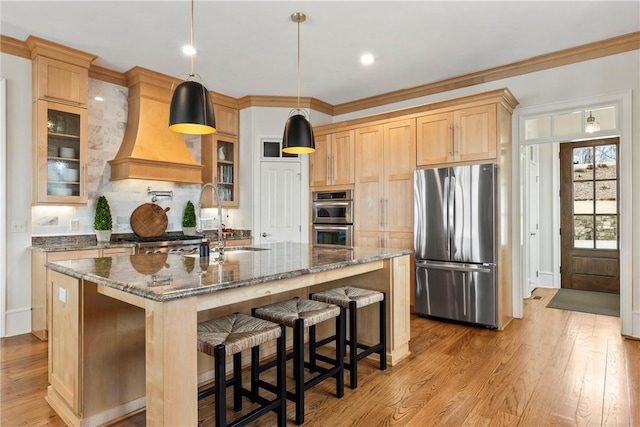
(214, 186)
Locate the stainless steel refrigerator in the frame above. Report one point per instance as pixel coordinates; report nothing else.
(455, 243)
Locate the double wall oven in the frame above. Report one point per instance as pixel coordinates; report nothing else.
(332, 213)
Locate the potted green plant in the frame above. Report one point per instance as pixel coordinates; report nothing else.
(102, 220)
(189, 219)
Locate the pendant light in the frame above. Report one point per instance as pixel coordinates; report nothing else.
(191, 110)
(298, 133)
(592, 126)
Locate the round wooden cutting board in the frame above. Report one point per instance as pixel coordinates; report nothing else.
(149, 220)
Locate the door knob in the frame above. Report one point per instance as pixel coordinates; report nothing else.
(532, 234)
(265, 234)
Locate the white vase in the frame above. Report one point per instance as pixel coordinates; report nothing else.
(189, 231)
(103, 236)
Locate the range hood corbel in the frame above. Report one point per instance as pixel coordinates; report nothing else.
(149, 150)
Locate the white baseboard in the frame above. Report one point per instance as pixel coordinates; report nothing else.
(545, 279)
(17, 321)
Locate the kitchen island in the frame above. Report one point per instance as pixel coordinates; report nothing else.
(123, 334)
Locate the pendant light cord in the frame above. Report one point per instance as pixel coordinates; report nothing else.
(192, 47)
(298, 64)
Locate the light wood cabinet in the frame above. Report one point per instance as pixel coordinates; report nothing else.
(60, 154)
(96, 354)
(41, 283)
(461, 135)
(220, 159)
(227, 121)
(238, 242)
(333, 161)
(61, 81)
(384, 181)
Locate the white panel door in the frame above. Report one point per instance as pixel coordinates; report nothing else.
(280, 213)
(534, 214)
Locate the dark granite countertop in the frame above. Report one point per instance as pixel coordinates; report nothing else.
(163, 277)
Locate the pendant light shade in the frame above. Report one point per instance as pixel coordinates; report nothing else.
(592, 125)
(191, 110)
(298, 132)
(298, 136)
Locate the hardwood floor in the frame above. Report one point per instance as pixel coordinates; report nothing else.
(553, 367)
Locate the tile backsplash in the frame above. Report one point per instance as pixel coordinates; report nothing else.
(107, 123)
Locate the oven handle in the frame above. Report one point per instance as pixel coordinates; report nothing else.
(331, 204)
(331, 227)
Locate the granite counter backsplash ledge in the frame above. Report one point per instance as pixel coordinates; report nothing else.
(89, 240)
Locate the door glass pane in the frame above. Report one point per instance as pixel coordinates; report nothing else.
(606, 157)
(606, 232)
(606, 197)
(567, 124)
(583, 164)
(271, 149)
(583, 197)
(583, 231)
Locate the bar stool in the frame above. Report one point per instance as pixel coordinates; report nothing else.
(299, 313)
(229, 335)
(353, 298)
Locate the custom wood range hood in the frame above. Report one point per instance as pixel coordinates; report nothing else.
(149, 149)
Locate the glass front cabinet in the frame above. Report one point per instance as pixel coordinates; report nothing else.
(61, 157)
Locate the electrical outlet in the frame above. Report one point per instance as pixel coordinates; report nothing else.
(62, 294)
(74, 224)
(19, 226)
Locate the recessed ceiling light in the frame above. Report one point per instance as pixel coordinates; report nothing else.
(189, 50)
(367, 59)
(98, 98)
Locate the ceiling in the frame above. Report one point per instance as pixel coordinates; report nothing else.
(249, 47)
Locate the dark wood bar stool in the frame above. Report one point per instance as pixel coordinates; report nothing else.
(299, 313)
(228, 336)
(353, 298)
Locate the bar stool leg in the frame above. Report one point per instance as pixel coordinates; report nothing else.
(312, 348)
(281, 380)
(340, 337)
(353, 344)
(383, 332)
(219, 359)
(298, 368)
(237, 381)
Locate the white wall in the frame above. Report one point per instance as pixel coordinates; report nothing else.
(17, 72)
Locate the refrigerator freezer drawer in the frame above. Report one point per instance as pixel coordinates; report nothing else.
(461, 292)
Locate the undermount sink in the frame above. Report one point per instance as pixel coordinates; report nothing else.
(232, 250)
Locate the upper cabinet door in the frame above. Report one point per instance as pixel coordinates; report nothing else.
(434, 139)
(227, 121)
(475, 133)
(60, 154)
(333, 162)
(319, 162)
(399, 161)
(61, 82)
(342, 158)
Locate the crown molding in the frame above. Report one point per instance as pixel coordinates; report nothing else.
(14, 47)
(612, 46)
(599, 49)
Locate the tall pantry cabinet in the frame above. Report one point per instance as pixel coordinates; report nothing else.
(385, 161)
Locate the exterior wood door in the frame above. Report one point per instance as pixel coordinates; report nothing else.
(589, 215)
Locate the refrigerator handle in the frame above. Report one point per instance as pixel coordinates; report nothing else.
(452, 216)
(464, 294)
(454, 266)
